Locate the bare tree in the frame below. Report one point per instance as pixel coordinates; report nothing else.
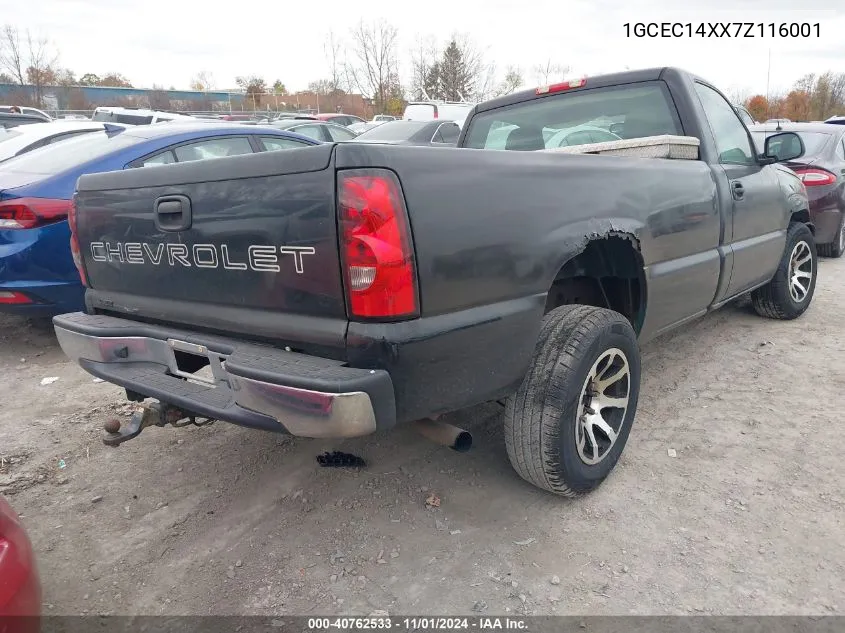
(12, 54)
(424, 67)
(28, 60)
(203, 81)
(738, 94)
(333, 49)
(485, 85)
(512, 82)
(837, 93)
(41, 70)
(549, 72)
(375, 64)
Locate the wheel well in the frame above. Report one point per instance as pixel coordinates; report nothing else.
(804, 218)
(608, 273)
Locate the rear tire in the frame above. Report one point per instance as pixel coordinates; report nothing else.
(836, 247)
(567, 424)
(788, 295)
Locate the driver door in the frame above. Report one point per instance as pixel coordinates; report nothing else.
(754, 234)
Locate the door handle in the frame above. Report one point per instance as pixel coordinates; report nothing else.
(737, 190)
(172, 213)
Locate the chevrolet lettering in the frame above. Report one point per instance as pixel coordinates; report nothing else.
(258, 257)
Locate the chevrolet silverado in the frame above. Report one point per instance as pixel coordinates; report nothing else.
(339, 290)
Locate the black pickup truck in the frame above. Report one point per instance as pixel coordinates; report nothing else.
(342, 289)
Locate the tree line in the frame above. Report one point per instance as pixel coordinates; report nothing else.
(812, 98)
(365, 60)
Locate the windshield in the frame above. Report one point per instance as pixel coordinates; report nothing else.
(53, 159)
(393, 131)
(628, 111)
(814, 142)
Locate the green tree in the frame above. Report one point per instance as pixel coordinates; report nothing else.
(115, 80)
(456, 76)
(89, 79)
(254, 86)
(279, 87)
(431, 85)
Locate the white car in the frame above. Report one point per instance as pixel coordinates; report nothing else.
(24, 138)
(580, 135)
(429, 110)
(564, 137)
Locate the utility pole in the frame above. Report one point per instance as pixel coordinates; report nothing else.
(768, 77)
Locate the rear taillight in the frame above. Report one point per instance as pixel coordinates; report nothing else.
(12, 297)
(30, 213)
(377, 257)
(74, 242)
(564, 85)
(814, 177)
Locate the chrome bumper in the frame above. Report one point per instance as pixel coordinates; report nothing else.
(250, 385)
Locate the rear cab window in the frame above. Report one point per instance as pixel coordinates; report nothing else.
(624, 112)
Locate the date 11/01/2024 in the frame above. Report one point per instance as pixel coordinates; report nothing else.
(418, 623)
(736, 30)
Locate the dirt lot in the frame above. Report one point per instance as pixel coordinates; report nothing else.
(747, 517)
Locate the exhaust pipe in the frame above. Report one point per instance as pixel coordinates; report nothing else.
(445, 434)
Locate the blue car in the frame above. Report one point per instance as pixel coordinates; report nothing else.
(37, 274)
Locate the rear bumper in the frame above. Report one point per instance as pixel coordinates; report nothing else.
(252, 385)
(36, 265)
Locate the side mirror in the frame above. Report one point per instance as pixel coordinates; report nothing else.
(783, 147)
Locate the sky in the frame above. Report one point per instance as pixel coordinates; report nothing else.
(166, 43)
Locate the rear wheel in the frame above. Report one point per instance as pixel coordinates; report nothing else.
(568, 422)
(837, 246)
(789, 293)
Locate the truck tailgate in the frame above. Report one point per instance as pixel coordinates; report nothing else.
(230, 243)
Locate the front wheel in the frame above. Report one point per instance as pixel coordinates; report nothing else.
(567, 424)
(789, 293)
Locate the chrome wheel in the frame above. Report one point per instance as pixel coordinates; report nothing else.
(603, 405)
(842, 238)
(800, 271)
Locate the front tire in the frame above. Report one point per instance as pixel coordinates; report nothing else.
(567, 424)
(788, 295)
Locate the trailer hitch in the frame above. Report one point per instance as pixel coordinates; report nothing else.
(150, 414)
